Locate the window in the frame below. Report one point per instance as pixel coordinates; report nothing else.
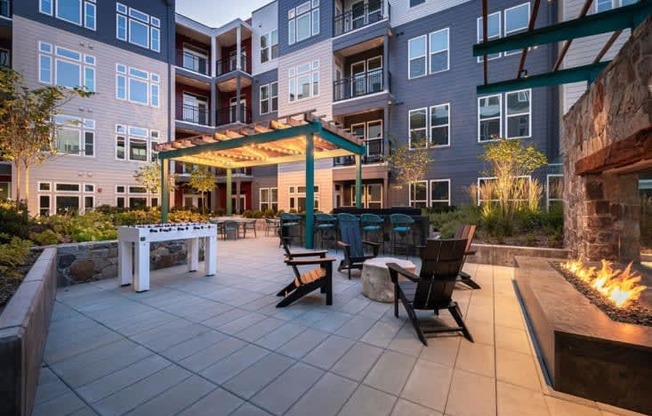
(417, 57)
(419, 194)
(603, 5)
(304, 81)
(78, 12)
(298, 198)
(138, 28)
(268, 199)
(416, 2)
(418, 128)
(517, 19)
(67, 197)
(303, 21)
(269, 98)
(134, 196)
(440, 193)
(554, 190)
(518, 110)
(489, 118)
(440, 125)
(439, 51)
(137, 86)
(430, 127)
(75, 136)
(135, 143)
(65, 67)
(269, 46)
(493, 32)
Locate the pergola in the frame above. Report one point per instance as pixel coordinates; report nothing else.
(296, 138)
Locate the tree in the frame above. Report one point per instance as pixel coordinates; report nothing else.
(149, 176)
(202, 180)
(27, 126)
(409, 164)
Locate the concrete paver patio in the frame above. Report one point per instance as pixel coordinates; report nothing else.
(218, 346)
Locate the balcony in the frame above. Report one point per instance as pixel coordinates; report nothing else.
(229, 115)
(375, 154)
(191, 62)
(5, 58)
(227, 65)
(359, 85)
(5, 8)
(361, 15)
(193, 114)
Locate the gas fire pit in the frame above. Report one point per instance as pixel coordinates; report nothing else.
(585, 353)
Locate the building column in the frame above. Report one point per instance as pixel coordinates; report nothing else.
(229, 190)
(310, 190)
(238, 47)
(358, 181)
(238, 96)
(237, 197)
(165, 195)
(386, 63)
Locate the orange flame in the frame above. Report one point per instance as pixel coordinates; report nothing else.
(620, 287)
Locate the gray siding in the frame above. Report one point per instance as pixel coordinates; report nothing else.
(263, 20)
(457, 86)
(259, 80)
(402, 13)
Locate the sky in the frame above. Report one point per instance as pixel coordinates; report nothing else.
(215, 13)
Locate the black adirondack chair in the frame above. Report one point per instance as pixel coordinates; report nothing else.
(320, 278)
(352, 244)
(467, 232)
(297, 255)
(441, 261)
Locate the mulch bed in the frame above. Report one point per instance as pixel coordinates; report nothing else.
(635, 313)
(9, 285)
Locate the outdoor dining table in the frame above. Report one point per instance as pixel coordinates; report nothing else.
(242, 222)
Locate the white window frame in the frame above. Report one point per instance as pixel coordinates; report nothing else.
(151, 80)
(293, 80)
(447, 50)
(269, 37)
(431, 200)
(517, 30)
(270, 202)
(410, 129)
(269, 99)
(82, 128)
(295, 195)
(51, 8)
(53, 54)
(424, 57)
(130, 133)
(614, 4)
(430, 126)
(529, 114)
(548, 199)
(500, 117)
(480, 37)
(129, 15)
(412, 189)
(313, 14)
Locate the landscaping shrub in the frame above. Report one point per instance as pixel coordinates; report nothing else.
(269, 213)
(14, 256)
(46, 238)
(14, 220)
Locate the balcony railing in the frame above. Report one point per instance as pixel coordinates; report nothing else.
(360, 15)
(229, 115)
(375, 154)
(358, 85)
(192, 62)
(193, 114)
(226, 65)
(5, 8)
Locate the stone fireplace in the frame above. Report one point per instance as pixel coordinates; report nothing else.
(607, 143)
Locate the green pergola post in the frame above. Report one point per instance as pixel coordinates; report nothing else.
(310, 190)
(165, 194)
(229, 204)
(358, 181)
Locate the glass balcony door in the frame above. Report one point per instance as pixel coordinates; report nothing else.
(195, 109)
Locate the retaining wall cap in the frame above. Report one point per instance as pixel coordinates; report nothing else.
(17, 310)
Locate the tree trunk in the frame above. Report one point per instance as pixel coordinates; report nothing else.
(17, 184)
(27, 188)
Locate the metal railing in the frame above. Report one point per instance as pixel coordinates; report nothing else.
(5, 8)
(192, 62)
(229, 115)
(359, 16)
(226, 65)
(358, 85)
(375, 154)
(193, 114)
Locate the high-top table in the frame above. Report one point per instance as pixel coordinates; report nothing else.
(133, 249)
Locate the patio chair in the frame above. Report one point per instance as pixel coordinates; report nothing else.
(272, 226)
(320, 278)
(249, 225)
(325, 225)
(230, 227)
(297, 255)
(290, 222)
(467, 232)
(352, 244)
(441, 261)
(402, 232)
(372, 225)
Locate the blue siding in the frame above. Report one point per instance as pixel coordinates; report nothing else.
(457, 86)
(326, 14)
(262, 79)
(105, 22)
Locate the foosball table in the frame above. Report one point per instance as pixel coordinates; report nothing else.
(133, 249)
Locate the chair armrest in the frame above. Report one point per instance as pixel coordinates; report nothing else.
(375, 246)
(346, 248)
(315, 253)
(470, 253)
(306, 262)
(395, 270)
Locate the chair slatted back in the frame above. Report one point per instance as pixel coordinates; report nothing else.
(350, 233)
(466, 232)
(441, 261)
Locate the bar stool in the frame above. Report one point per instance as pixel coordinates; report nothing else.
(372, 225)
(402, 231)
(325, 227)
(290, 224)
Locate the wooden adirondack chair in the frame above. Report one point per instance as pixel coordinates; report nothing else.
(467, 232)
(297, 255)
(441, 261)
(352, 244)
(320, 278)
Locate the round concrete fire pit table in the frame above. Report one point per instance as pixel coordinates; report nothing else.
(376, 284)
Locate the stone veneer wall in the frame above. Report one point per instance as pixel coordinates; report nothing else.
(602, 210)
